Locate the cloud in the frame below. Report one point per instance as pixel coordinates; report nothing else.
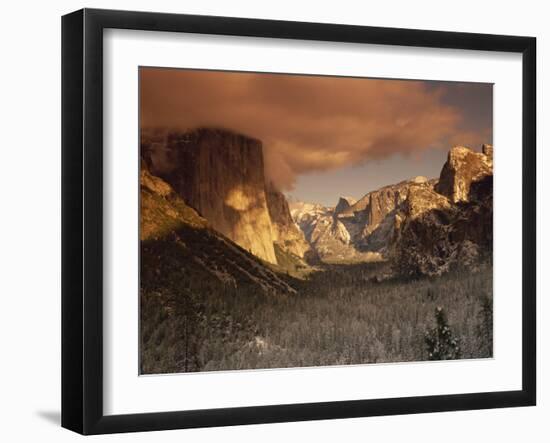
(307, 123)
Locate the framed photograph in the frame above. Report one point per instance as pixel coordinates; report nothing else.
(268, 221)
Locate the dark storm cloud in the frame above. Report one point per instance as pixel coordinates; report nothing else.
(310, 123)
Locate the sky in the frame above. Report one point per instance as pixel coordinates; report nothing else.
(326, 136)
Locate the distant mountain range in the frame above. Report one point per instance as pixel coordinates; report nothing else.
(212, 181)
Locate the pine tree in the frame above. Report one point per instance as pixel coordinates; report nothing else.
(440, 341)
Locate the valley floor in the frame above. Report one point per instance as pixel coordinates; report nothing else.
(339, 316)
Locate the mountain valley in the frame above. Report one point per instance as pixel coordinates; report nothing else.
(223, 250)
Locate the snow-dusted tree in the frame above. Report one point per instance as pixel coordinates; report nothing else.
(441, 343)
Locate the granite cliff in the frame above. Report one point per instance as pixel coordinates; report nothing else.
(464, 167)
(181, 243)
(286, 234)
(331, 234)
(221, 175)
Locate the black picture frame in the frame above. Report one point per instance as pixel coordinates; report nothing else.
(82, 220)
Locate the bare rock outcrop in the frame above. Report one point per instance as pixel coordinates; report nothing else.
(344, 204)
(383, 201)
(333, 240)
(424, 227)
(221, 175)
(463, 167)
(364, 230)
(332, 236)
(378, 212)
(285, 232)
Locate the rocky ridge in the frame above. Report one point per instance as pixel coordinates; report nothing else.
(424, 227)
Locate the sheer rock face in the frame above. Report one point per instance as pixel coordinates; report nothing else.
(376, 212)
(463, 167)
(384, 201)
(285, 232)
(333, 240)
(221, 175)
(344, 203)
(167, 223)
